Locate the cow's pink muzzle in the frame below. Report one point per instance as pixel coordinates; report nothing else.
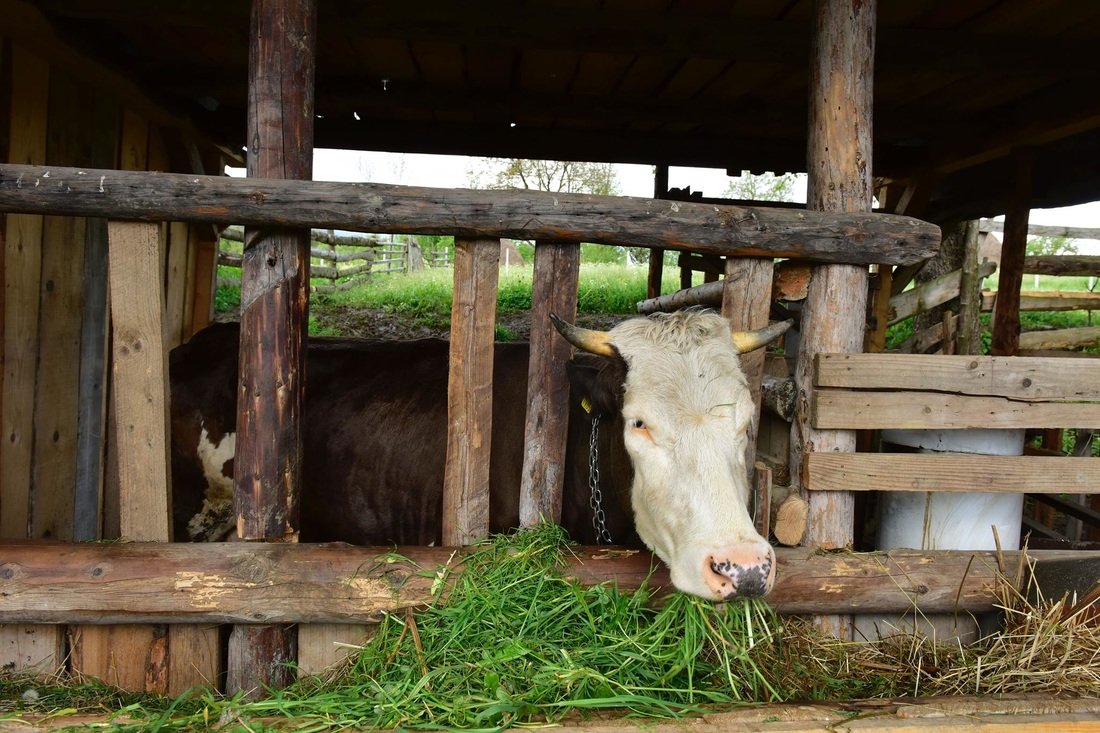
(745, 570)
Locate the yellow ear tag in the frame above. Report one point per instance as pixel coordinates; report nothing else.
(587, 405)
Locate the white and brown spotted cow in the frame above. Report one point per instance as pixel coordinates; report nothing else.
(669, 391)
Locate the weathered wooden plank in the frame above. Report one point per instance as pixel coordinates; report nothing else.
(1063, 338)
(470, 391)
(1047, 301)
(322, 646)
(61, 294)
(835, 409)
(140, 386)
(951, 472)
(204, 275)
(338, 583)
(1018, 378)
(1063, 265)
(932, 293)
(22, 282)
(132, 657)
(850, 237)
(554, 290)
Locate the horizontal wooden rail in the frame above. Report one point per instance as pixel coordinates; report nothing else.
(950, 472)
(1017, 378)
(858, 238)
(337, 583)
(840, 409)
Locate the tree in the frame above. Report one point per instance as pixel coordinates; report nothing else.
(762, 187)
(1040, 246)
(561, 176)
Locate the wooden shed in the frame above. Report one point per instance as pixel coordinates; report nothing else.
(117, 117)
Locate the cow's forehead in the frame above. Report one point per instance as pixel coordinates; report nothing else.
(684, 361)
(682, 331)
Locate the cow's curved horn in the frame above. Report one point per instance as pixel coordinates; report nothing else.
(595, 342)
(745, 341)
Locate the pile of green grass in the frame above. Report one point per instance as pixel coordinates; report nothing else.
(510, 641)
(516, 642)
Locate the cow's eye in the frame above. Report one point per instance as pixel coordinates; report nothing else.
(637, 424)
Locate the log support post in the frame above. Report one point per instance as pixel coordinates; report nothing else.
(834, 315)
(746, 303)
(557, 268)
(274, 302)
(657, 254)
(1006, 313)
(470, 392)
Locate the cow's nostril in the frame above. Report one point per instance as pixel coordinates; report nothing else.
(739, 574)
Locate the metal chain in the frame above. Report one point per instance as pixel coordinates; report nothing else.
(595, 498)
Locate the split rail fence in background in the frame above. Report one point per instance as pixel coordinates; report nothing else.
(347, 259)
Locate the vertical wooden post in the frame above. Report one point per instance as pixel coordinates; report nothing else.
(470, 391)
(970, 295)
(657, 255)
(274, 302)
(1006, 312)
(140, 367)
(746, 303)
(557, 268)
(834, 315)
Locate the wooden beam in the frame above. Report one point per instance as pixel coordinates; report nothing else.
(834, 313)
(841, 409)
(554, 290)
(1040, 230)
(140, 384)
(1047, 300)
(339, 583)
(951, 472)
(1006, 317)
(274, 312)
(746, 304)
(846, 237)
(1017, 378)
(470, 391)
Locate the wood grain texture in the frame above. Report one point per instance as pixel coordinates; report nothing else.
(1016, 378)
(851, 237)
(322, 646)
(140, 385)
(263, 583)
(838, 163)
(951, 472)
(1005, 340)
(22, 280)
(839, 409)
(557, 269)
(470, 391)
(746, 303)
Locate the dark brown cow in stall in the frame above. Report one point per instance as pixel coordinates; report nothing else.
(374, 441)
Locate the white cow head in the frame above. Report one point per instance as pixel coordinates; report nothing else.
(686, 410)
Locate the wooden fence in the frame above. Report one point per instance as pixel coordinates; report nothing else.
(249, 583)
(346, 259)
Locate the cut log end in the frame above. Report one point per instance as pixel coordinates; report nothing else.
(790, 520)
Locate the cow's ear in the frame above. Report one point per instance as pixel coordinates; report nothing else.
(597, 383)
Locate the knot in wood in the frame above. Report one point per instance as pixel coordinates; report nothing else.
(253, 567)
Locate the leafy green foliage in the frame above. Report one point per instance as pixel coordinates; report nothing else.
(761, 187)
(1039, 246)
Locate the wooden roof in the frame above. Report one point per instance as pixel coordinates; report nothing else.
(958, 85)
